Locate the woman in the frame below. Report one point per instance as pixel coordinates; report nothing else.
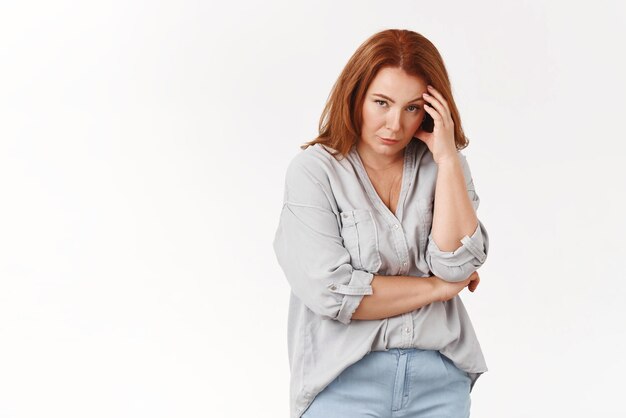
(381, 199)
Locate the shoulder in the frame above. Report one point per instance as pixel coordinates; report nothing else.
(309, 178)
(315, 163)
(463, 159)
(462, 156)
(467, 173)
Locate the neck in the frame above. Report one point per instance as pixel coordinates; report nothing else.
(379, 162)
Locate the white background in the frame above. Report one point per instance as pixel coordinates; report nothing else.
(143, 147)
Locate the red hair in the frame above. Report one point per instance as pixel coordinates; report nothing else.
(341, 119)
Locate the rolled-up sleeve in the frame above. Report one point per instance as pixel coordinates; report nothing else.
(457, 265)
(309, 247)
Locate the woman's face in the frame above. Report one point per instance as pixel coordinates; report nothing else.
(392, 109)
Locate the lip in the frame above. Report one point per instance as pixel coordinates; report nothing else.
(388, 141)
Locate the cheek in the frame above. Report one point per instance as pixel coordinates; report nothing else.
(415, 121)
(371, 117)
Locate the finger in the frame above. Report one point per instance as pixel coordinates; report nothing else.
(422, 135)
(446, 119)
(434, 92)
(436, 116)
(433, 102)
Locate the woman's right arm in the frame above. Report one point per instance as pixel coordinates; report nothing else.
(395, 295)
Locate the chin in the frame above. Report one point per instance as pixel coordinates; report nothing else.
(375, 144)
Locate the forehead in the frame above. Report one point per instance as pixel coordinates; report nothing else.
(390, 80)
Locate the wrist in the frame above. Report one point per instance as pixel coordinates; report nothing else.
(450, 159)
(435, 289)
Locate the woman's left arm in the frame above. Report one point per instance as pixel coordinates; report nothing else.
(454, 216)
(458, 242)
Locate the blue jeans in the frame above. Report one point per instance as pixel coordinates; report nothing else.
(401, 382)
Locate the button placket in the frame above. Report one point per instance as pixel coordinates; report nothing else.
(406, 330)
(401, 247)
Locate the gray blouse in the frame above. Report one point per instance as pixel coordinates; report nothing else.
(334, 234)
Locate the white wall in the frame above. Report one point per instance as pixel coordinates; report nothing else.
(142, 153)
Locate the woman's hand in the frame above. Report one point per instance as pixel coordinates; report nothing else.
(445, 290)
(474, 283)
(441, 141)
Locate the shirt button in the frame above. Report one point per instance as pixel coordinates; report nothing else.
(407, 330)
(333, 287)
(405, 264)
(396, 226)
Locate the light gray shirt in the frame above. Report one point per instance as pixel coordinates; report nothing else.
(334, 234)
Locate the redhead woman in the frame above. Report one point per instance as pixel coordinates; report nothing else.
(377, 237)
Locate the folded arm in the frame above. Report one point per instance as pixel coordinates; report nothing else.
(458, 242)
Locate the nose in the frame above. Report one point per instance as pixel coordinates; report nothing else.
(393, 121)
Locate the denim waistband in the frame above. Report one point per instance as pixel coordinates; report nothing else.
(402, 350)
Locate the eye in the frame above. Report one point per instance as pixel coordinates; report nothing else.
(416, 108)
(380, 101)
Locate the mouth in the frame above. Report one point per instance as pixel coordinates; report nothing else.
(388, 141)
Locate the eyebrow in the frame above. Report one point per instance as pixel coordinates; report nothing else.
(417, 99)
